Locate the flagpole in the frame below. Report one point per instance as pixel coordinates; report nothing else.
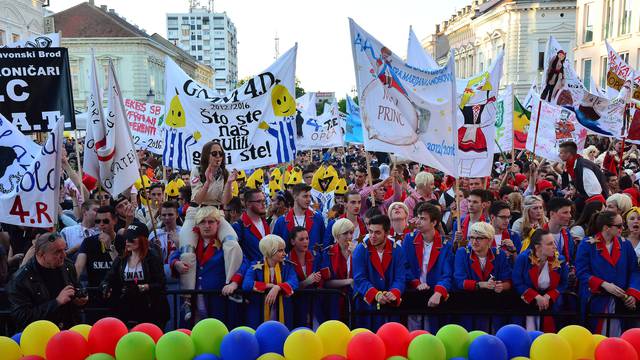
(535, 135)
(370, 178)
(78, 154)
(621, 156)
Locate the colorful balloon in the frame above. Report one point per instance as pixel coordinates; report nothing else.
(150, 329)
(488, 347)
(475, 334)
(239, 345)
(100, 356)
(271, 356)
(455, 339)
(303, 345)
(365, 346)
(335, 336)
(136, 345)
(244, 328)
(35, 337)
(416, 333)
(597, 338)
(82, 329)
(67, 345)
(427, 347)
(395, 337)
(175, 345)
(9, 349)
(357, 331)
(271, 336)
(614, 349)
(105, 334)
(550, 346)
(579, 340)
(207, 336)
(516, 339)
(632, 336)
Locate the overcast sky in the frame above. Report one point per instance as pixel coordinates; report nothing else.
(320, 27)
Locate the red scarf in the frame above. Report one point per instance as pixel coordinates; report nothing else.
(571, 164)
(203, 255)
(613, 257)
(308, 264)
(291, 222)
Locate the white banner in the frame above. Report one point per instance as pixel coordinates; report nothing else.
(254, 123)
(17, 153)
(551, 125)
(416, 55)
(144, 121)
(617, 72)
(477, 98)
(37, 41)
(34, 201)
(504, 120)
(560, 83)
(318, 131)
(94, 130)
(405, 110)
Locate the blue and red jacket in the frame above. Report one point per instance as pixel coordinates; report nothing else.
(328, 234)
(314, 223)
(467, 270)
(527, 271)
(249, 237)
(371, 275)
(439, 269)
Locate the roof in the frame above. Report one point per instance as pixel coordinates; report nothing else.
(89, 21)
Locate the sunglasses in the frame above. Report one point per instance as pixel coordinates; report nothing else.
(103, 221)
(131, 241)
(619, 226)
(217, 153)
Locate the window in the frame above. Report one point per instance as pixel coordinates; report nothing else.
(625, 57)
(608, 18)
(199, 47)
(540, 60)
(586, 73)
(193, 37)
(172, 21)
(15, 37)
(625, 23)
(198, 27)
(588, 23)
(2, 34)
(186, 30)
(74, 69)
(603, 72)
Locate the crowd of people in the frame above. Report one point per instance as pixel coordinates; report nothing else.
(361, 223)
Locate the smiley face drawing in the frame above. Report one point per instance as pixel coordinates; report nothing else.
(283, 103)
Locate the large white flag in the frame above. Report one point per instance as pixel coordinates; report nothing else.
(477, 98)
(504, 120)
(405, 110)
(254, 123)
(34, 200)
(17, 152)
(618, 72)
(560, 82)
(416, 55)
(551, 125)
(95, 134)
(318, 131)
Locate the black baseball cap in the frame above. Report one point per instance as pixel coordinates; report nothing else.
(136, 230)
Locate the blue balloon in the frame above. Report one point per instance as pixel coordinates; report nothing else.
(516, 339)
(533, 334)
(239, 345)
(487, 347)
(206, 357)
(17, 337)
(271, 336)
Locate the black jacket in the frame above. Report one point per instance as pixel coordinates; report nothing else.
(30, 300)
(135, 306)
(581, 164)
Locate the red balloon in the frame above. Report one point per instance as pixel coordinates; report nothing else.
(366, 346)
(632, 336)
(150, 329)
(334, 357)
(32, 357)
(395, 337)
(614, 349)
(416, 333)
(186, 331)
(105, 334)
(67, 345)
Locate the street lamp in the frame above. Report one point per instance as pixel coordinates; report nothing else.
(150, 96)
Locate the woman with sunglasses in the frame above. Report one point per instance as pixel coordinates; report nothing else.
(211, 185)
(607, 268)
(136, 281)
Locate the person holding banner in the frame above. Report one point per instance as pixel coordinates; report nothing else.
(587, 177)
(211, 185)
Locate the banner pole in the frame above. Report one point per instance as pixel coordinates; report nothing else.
(458, 212)
(621, 156)
(535, 135)
(78, 155)
(370, 178)
(153, 220)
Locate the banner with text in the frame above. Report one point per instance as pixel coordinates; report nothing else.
(618, 72)
(504, 120)
(36, 87)
(406, 111)
(319, 131)
(254, 123)
(144, 121)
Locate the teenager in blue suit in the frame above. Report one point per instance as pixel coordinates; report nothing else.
(378, 273)
(540, 276)
(481, 267)
(508, 241)
(607, 265)
(252, 226)
(301, 215)
(477, 202)
(210, 269)
(274, 278)
(429, 263)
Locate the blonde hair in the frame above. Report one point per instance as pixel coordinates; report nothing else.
(529, 202)
(622, 201)
(515, 201)
(589, 150)
(206, 211)
(269, 245)
(400, 204)
(424, 178)
(482, 229)
(341, 226)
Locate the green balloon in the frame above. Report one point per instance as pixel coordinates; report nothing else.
(397, 357)
(175, 345)
(100, 356)
(245, 328)
(426, 347)
(474, 334)
(135, 346)
(207, 336)
(455, 339)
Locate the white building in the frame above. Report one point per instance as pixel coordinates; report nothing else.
(211, 39)
(21, 19)
(618, 21)
(521, 28)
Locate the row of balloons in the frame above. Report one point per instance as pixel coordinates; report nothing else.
(210, 339)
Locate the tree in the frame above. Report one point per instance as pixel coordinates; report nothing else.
(342, 104)
(299, 89)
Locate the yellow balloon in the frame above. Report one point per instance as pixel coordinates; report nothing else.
(35, 337)
(550, 346)
(597, 338)
(303, 345)
(9, 349)
(520, 358)
(578, 338)
(335, 336)
(271, 356)
(357, 331)
(82, 329)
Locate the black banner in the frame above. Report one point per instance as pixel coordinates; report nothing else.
(35, 88)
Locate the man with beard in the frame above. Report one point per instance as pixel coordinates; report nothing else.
(252, 226)
(352, 203)
(301, 215)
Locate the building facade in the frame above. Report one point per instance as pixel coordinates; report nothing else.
(478, 32)
(211, 39)
(20, 19)
(139, 58)
(617, 21)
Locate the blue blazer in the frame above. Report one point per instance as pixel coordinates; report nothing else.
(371, 275)
(525, 278)
(249, 237)
(467, 270)
(313, 222)
(440, 268)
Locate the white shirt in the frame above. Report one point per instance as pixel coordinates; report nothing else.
(483, 262)
(543, 279)
(260, 226)
(133, 273)
(426, 256)
(74, 235)
(380, 254)
(163, 238)
(559, 241)
(591, 184)
(299, 220)
(498, 238)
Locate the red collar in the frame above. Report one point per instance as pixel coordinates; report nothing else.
(252, 227)
(338, 262)
(308, 263)
(613, 257)
(380, 267)
(363, 229)
(488, 267)
(465, 225)
(571, 164)
(554, 277)
(203, 255)
(308, 220)
(418, 243)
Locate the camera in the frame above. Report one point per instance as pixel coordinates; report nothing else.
(80, 293)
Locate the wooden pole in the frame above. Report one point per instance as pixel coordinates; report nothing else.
(458, 217)
(370, 178)
(621, 157)
(535, 135)
(153, 219)
(79, 161)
